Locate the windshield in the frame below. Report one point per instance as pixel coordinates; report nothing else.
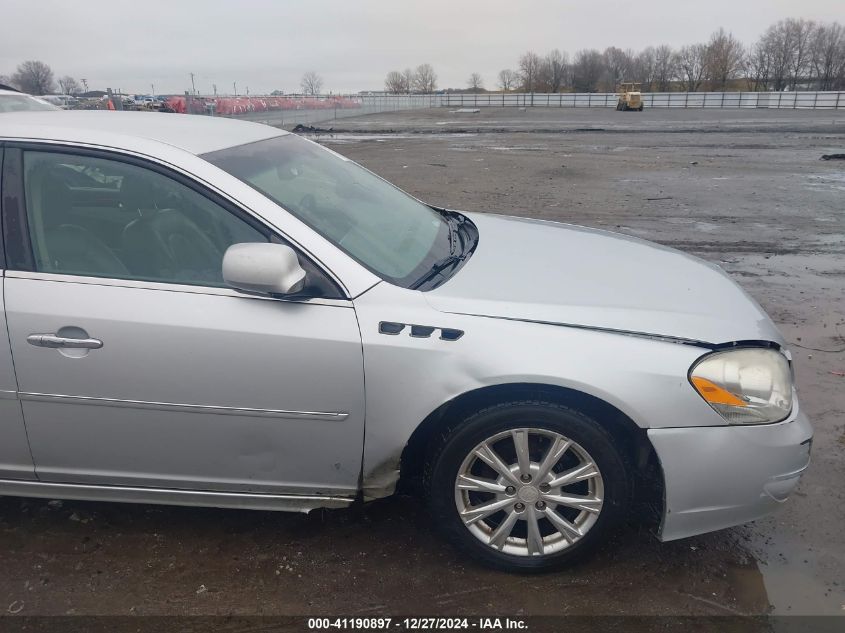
(383, 228)
(23, 103)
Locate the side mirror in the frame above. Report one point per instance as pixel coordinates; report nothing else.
(264, 268)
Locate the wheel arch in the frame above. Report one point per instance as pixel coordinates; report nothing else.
(631, 439)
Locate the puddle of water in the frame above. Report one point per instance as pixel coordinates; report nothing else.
(749, 588)
(793, 588)
(707, 227)
(350, 137)
(826, 181)
(519, 148)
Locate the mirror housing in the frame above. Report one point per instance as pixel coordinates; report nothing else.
(265, 268)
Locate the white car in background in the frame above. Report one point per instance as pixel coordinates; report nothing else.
(12, 100)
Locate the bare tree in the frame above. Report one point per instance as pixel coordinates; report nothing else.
(643, 67)
(723, 59)
(409, 78)
(425, 79)
(801, 35)
(618, 65)
(5, 80)
(475, 82)
(552, 71)
(69, 86)
(665, 69)
(587, 70)
(529, 67)
(34, 77)
(396, 82)
(828, 55)
(788, 45)
(778, 48)
(508, 79)
(311, 83)
(690, 61)
(758, 67)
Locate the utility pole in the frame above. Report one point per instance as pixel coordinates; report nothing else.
(235, 86)
(153, 88)
(193, 85)
(214, 87)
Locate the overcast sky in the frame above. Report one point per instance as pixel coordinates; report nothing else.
(268, 44)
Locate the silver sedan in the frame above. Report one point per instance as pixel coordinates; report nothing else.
(207, 312)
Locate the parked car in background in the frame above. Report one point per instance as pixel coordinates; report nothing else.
(12, 100)
(65, 102)
(210, 312)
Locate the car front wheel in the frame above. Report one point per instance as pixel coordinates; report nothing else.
(527, 486)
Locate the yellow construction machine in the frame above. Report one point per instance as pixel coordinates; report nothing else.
(630, 97)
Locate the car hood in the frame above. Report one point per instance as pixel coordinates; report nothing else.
(539, 271)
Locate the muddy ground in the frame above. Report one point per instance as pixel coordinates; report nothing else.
(746, 189)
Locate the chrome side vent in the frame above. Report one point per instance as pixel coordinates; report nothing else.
(392, 328)
(421, 331)
(388, 327)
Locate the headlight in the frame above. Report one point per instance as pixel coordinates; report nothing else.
(745, 386)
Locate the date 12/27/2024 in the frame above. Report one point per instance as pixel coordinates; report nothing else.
(417, 624)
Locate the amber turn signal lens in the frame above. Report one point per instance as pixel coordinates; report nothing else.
(714, 394)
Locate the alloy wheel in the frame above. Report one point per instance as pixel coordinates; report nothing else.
(529, 492)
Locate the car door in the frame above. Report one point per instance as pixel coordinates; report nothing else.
(137, 366)
(15, 458)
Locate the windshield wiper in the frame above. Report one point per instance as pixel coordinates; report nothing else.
(438, 267)
(454, 230)
(458, 250)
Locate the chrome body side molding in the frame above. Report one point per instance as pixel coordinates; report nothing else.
(189, 408)
(163, 496)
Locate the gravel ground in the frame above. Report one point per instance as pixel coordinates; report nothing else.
(746, 189)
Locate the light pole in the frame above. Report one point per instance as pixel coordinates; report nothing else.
(193, 85)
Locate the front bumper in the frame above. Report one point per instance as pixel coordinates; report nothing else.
(719, 476)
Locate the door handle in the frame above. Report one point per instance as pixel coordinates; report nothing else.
(53, 341)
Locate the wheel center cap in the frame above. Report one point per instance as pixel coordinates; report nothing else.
(528, 494)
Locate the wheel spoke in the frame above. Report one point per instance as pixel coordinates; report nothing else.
(581, 472)
(555, 452)
(587, 504)
(479, 484)
(520, 443)
(534, 538)
(503, 531)
(474, 513)
(486, 454)
(567, 529)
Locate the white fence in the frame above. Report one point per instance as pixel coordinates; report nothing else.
(353, 105)
(315, 110)
(789, 100)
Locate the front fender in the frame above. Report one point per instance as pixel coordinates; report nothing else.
(409, 377)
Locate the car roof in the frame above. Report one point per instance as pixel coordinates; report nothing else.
(196, 134)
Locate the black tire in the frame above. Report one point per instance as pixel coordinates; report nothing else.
(452, 447)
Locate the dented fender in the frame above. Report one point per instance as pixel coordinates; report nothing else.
(409, 377)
